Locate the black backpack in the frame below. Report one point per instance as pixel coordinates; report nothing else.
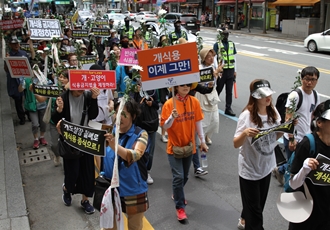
(281, 102)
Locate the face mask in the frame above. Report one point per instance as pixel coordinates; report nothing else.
(178, 28)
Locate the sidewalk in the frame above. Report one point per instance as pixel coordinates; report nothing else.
(13, 211)
(259, 32)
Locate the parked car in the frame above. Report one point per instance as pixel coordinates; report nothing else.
(114, 10)
(130, 14)
(318, 42)
(85, 14)
(188, 21)
(157, 31)
(117, 18)
(146, 16)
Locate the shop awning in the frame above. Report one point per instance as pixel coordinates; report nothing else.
(233, 2)
(293, 3)
(146, 1)
(229, 2)
(173, 1)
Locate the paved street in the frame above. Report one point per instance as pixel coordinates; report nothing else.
(213, 201)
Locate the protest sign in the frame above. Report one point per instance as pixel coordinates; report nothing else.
(86, 79)
(47, 90)
(128, 57)
(321, 175)
(26, 47)
(85, 139)
(11, 24)
(206, 74)
(101, 22)
(101, 32)
(19, 67)
(75, 16)
(286, 127)
(80, 33)
(87, 59)
(43, 29)
(169, 66)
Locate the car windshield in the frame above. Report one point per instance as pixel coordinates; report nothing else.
(188, 18)
(117, 16)
(170, 28)
(84, 13)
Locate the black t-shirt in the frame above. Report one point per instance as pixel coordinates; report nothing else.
(319, 218)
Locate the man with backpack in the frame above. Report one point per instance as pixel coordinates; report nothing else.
(300, 102)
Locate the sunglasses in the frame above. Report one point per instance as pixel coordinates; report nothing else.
(189, 85)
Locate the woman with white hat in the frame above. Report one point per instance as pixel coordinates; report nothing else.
(256, 161)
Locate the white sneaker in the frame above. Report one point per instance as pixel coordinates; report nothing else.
(57, 161)
(164, 139)
(240, 225)
(150, 180)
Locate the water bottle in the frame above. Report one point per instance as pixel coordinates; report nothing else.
(204, 160)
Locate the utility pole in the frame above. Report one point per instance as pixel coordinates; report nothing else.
(265, 13)
(249, 15)
(236, 15)
(322, 15)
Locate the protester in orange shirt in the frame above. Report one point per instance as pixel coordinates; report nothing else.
(182, 117)
(139, 42)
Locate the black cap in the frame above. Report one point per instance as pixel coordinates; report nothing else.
(177, 21)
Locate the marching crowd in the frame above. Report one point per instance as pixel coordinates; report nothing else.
(189, 115)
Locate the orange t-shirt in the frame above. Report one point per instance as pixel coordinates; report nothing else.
(183, 128)
(138, 44)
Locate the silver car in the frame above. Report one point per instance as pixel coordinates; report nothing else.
(157, 32)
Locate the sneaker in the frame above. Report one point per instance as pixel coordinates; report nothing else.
(181, 214)
(43, 141)
(150, 180)
(66, 197)
(36, 144)
(185, 202)
(164, 139)
(279, 176)
(200, 172)
(57, 161)
(22, 122)
(208, 141)
(89, 209)
(240, 225)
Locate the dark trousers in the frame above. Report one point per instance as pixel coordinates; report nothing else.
(19, 107)
(254, 195)
(227, 79)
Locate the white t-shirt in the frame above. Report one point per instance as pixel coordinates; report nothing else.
(258, 160)
(103, 103)
(305, 112)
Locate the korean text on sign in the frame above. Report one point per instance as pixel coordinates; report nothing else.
(87, 79)
(44, 28)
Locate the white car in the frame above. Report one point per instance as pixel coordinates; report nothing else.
(146, 16)
(130, 14)
(157, 32)
(83, 15)
(318, 41)
(117, 19)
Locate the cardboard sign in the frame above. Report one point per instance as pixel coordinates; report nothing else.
(26, 47)
(169, 66)
(128, 57)
(11, 24)
(206, 74)
(91, 141)
(86, 79)
(44, 29)
(101, 22)
(101, 32)
(87, 59)
(321, 175)
(47, 90)
(286, 127)
(80, 33)
(19, 67)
